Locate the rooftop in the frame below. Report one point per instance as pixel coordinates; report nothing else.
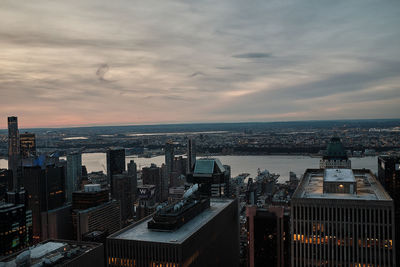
(50, 252)
(339, 175)
(207, 166)
(368, 188)
(140, 232)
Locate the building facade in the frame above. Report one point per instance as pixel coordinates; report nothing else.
(14, 153)
(27, 145)
(115, 162)
(342, 226)
(74, 174)
(209, 239)
(389, 176)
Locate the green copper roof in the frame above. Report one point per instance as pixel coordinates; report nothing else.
(335, 149)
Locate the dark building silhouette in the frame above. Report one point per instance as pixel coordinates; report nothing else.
(350, 225)
(210, 238)
(122, 191)
(153, 176)
(115, 162)
(14, 153)
(191, 154)
(27, 145)
(45, 191)
(5, 182)
(92, 196)
(389, 176)
(269, 236)
(15, 228)
(132, 172)
(57, 223)
(93, 211)
(169, 158)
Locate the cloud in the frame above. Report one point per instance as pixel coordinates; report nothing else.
(253, 55)
(101, 71)
(216, 60)
(197, 73)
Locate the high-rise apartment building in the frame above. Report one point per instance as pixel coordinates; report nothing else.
(14, 153)
(389, 176)
(74, 174)
(191, 154)
(115, 162)
(342, 217)
(27, 145)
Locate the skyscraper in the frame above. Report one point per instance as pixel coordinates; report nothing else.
(153, 176)
(169, 157)
(389, 176)
(14, 157)
(132, 172)
(342, 217)
(122, 191)
(74, 173)
(28, 145)
(191, 154)
(115, 162)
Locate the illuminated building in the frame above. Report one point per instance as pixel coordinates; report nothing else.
(55, 252)
(209, 237)
(27, 145)
(342, 217)
(389, 176)
(15, 228)
(336, 156)
(14, 156)
(115, 163)
(45, 191)
(5, 182)
(74, 174)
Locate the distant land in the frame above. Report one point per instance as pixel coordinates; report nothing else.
(232, 127)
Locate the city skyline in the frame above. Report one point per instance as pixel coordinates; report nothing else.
(118, 63)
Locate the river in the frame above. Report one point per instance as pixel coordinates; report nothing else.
(239, 164)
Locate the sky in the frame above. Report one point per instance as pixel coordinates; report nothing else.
(121, 62)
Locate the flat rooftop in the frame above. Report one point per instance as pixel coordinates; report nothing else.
(53, 252)
(368, 188)
(140, 232)
(339, 175)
